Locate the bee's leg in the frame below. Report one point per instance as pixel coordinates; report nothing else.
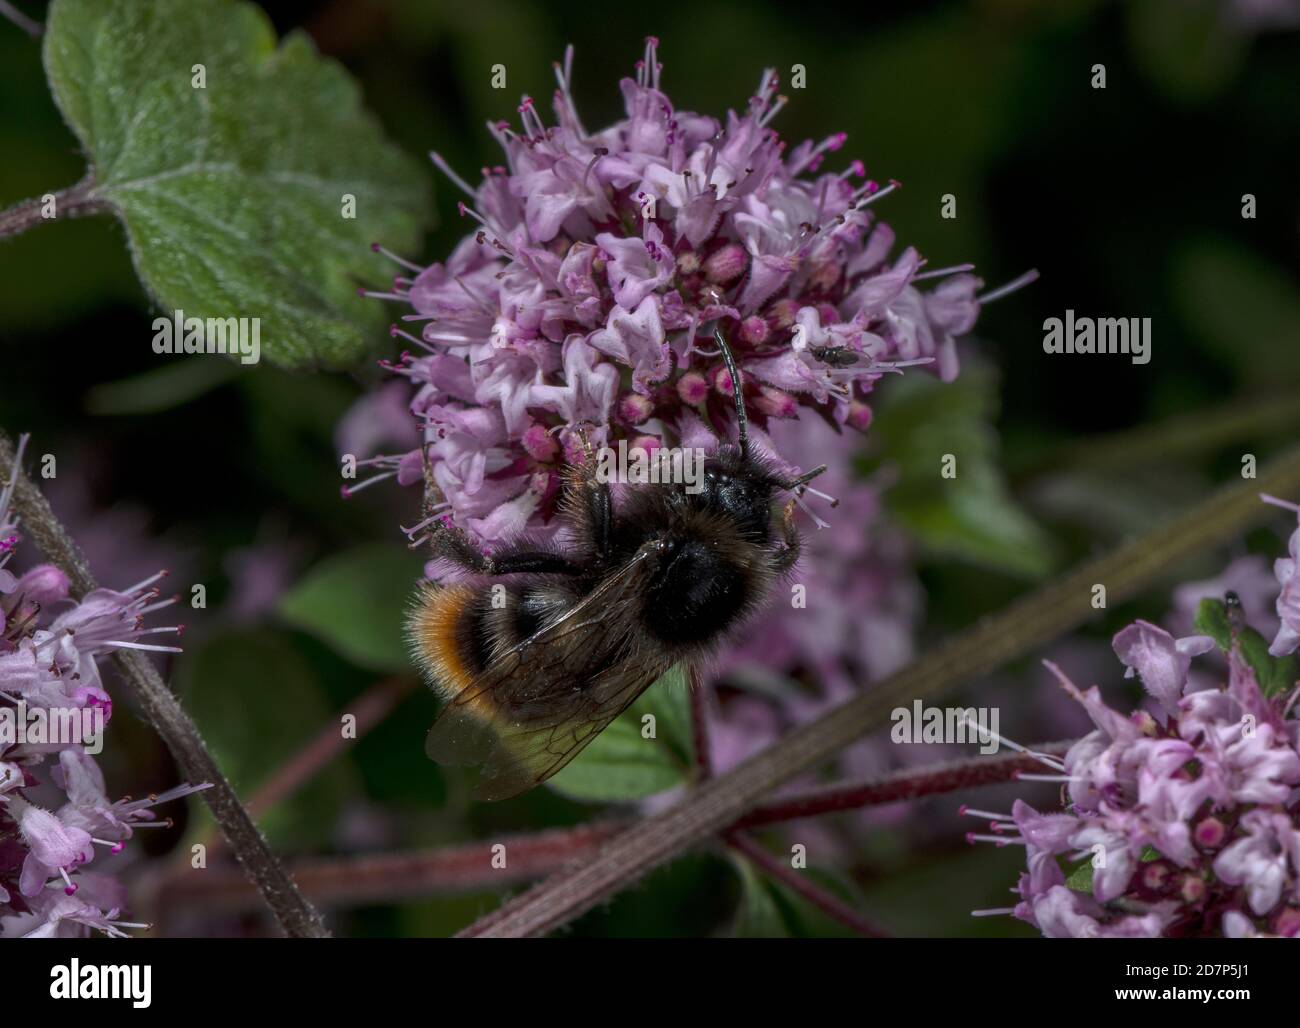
(452, 544)
(592, 496)
(788, 551)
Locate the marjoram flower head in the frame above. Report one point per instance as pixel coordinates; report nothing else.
(55, 814)
(598, 268)
(1185, 814)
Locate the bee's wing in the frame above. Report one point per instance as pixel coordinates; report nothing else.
(540, 702)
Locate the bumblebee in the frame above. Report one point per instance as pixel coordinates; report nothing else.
(535, 665)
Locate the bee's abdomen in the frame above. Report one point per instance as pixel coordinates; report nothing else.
(457, 631)
(449, 635)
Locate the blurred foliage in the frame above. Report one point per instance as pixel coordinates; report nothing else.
(1127, 199)
(948, 491)
(354, 602)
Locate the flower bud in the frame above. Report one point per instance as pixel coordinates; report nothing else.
(646, 443)
(721, 379)
(859, 416)
(776, 403)
(754, 331)
(726, 265)
(633, 408)
(1210, 833)
(693, 388)
(781, 314)
(539, 443)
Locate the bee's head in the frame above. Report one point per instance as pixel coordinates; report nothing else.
(735, 480)
(738, 487)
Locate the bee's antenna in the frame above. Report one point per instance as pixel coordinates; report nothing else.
(742, 423)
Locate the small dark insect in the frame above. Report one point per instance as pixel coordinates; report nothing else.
(534, 667)
(836, 356)
(1236, 614)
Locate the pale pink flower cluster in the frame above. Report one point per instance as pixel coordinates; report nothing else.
(1188, 814)
(55, 812)
(600, 265)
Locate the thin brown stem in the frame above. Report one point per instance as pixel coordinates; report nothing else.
(700, 696)
(351, 880)
(168, 717)
(29, 25)
(907, 784)
(395, 877)
(1028, 623)
(73, 202)
(1188, 435)
(800, 885)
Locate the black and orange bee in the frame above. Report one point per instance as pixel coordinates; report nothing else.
(535, 670)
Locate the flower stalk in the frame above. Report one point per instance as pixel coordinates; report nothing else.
(73, 202)
(295, 915)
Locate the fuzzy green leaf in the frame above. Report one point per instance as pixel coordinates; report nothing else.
(232, 194)
(972, 516)
(1274, 674)
(621, 764)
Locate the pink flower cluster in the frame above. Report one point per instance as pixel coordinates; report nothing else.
(602, 262)
(50, 681)
(1188, 814)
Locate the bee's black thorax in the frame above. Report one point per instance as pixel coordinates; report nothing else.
(714, 566)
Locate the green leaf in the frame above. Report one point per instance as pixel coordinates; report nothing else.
(621, 764)
(356, 603)
(160, 389)
(257, 702)
(1274, 674)
(760, 915)
(1212, 620)
(233, 194)
(1188, 47)
(1080, 879)
(769, 908)
(972, 516)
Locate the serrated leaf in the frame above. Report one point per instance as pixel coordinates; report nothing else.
(356, 601)
(1274, 674)
(972, 516)
(233, 194)
(621, 764)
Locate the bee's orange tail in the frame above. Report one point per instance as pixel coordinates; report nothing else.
(439, 627)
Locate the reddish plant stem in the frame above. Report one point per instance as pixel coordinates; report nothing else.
(700, 696)
(72, 202)
(460, 869)
(906, 784)
(799, 884)
(390, 877)
(369, 709)
(29, 25)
